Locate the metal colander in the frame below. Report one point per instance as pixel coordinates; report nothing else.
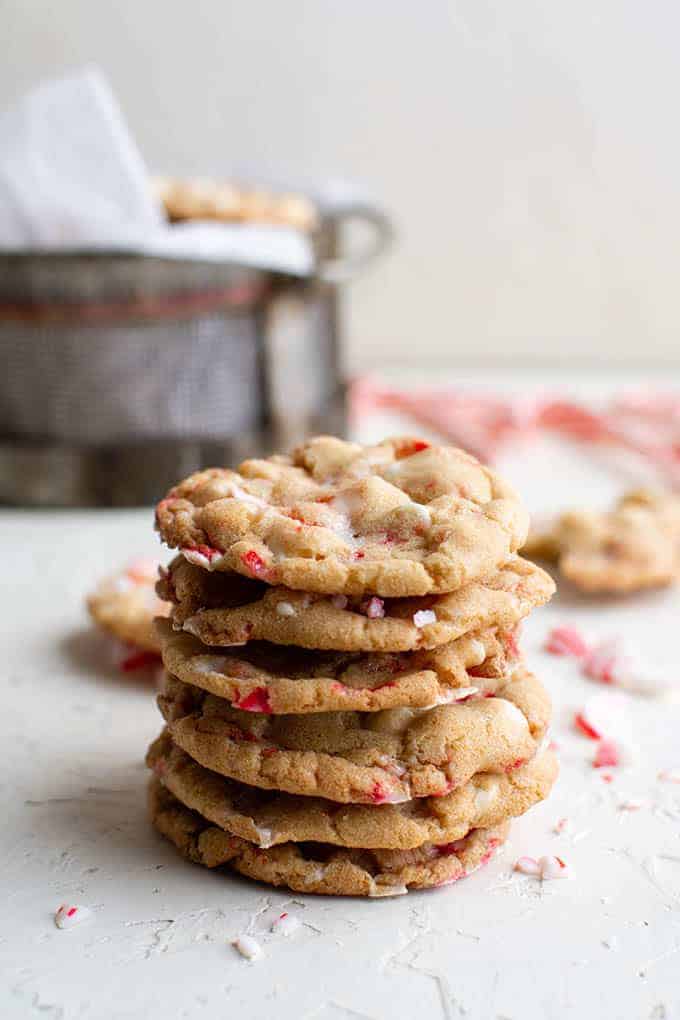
(121, 372)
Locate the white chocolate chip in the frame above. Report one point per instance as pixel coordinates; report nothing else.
(486, 795)
(424, 617)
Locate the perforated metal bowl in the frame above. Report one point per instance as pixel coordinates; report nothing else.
(122, 373)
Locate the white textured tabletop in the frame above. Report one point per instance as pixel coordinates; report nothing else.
(605, 943)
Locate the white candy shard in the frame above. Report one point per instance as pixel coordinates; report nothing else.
(68, 916)
(552, 867)
(527, 866)
(424, 616)
(285, 609)
(339, 601)
(247, 946)
(461, 693)
(285, 924)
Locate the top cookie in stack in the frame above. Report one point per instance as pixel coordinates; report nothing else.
(344, 632)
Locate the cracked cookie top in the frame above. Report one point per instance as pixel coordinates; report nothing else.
(400, 518)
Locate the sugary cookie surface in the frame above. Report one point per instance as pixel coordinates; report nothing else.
(401, 518)
(321, 868)
(357, 757)
(228, 609)
(268, 818)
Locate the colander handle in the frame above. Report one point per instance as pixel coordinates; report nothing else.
(338, 267)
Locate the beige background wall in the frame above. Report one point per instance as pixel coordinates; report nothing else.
(529, 150)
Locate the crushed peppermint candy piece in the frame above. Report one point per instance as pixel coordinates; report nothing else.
(605, 716)
(285, 609)
(631, 805)
(607, 755)
(527, 866)
(339, 601)
(560, 825)
(669, 776)
(424, 617)
(566, 641)
(247, 946)
(68, 916)
(581, 723)
(604, 661)
(285, 924)
(545, 868)
(373, 608)
(552, 867)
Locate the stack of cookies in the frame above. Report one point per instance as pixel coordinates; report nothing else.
(346, 707)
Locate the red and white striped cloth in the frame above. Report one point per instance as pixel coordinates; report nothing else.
(646, 423)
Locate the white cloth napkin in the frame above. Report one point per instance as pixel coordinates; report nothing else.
(71, 177)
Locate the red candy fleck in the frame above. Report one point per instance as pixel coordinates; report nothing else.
(582, 724)
(607, 754)
(378, 794)
(516, 764)
(566, 641)
(267, 752)
(254, 562)
(71, 912)
(209, 551)
(139, 660)
(607, 777)
(359, 554)
(256, 701)
(408, 449)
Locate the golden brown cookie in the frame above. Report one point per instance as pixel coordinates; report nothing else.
(283, 679)
(269, 818)
(360, 757)
(227, 609)
(201, 199)
(126, 604)
(318, 867)
(633, 547)
(401, 518)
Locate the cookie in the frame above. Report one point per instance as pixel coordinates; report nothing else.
(398, 519)
(201, 199)
(318, 867)
(268, 819)
(283, 679)
(633, 547)
(226, 609)
(358, 757)
(126, 604)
